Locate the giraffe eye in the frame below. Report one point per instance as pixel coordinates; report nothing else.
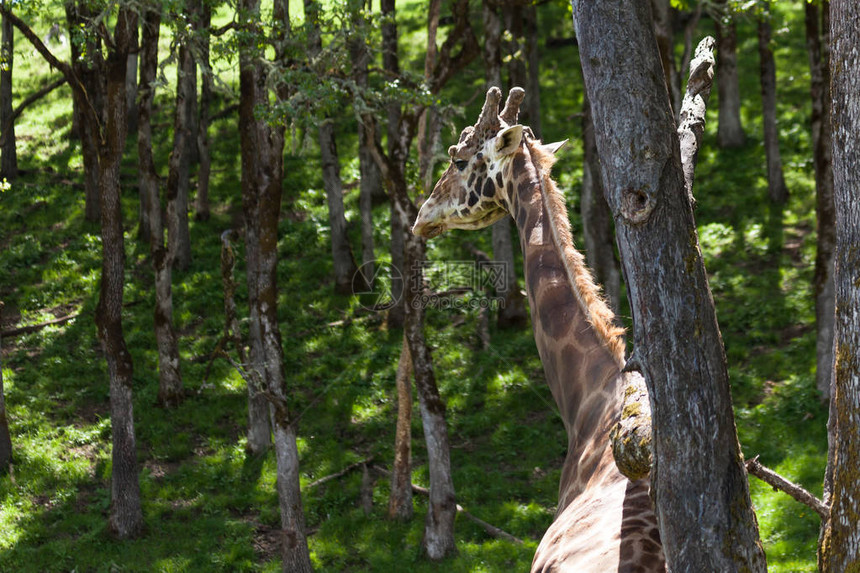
(461, 164)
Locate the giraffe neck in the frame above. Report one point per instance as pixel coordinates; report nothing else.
(580, 348)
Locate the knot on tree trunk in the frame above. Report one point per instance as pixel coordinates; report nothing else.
(631, 435)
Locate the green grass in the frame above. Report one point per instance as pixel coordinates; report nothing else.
(208, 507)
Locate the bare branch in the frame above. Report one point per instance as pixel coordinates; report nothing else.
(777, 482)
(491, 530)
(35, 327)
(33, 98)
(336, 475)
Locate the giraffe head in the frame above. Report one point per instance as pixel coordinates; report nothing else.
(471, 193)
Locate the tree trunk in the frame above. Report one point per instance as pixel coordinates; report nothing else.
(596, 218)
(89, 66)
(126, 519)
(817, 42)
(698, 478)
(775, 181)
(345, 268)
(179, 165)
(512, 311)
(400, 499)
(391, 65)
(840, 547)
(730, 132)
(201, 205)
(148, 176)
(5, 436)
(131, 85)
(8, 154)
(344, 265)
(438, 540)
(370, 185)
(170, 391)
(262, 150)
(532, 109)
(662, 11)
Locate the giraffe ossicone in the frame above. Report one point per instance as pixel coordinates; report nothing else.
(604, 521)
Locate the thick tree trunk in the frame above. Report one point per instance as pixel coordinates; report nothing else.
(775, 181)
(698, 478)
(179, 165)
(126, 519)
(596, 218)
(262, 150)
(730, 132)
(148, 176)
(818, 45)
(201, 204)
(5, 436)
(840, 546)
(8, 154)
(400, 499)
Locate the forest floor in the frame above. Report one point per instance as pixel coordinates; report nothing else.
(209, 507)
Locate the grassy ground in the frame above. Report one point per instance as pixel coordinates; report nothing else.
(210, 508)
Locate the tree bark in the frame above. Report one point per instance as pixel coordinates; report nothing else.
(391, 65)
(201, 204)
(148, 176)
(532, 57)
(596, 218)
(840, 544)
(400, 499)
(343, 260)
(698, 477)
(370, 184)
(126, 518)
(730, 131)
(179, 165)
(262, 149)
(5, 436)
(170, 391)
(8, 153)
(663, 30)
(91, 73)
(775, 181)
(818, 46)
(512, 312)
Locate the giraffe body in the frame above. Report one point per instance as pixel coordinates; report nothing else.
(604, 523)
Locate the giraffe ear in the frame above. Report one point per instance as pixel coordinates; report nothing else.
(508, 140)
(554, 147)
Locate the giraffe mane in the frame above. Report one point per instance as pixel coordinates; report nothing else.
(587, 292)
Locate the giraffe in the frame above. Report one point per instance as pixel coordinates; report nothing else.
(604, 522)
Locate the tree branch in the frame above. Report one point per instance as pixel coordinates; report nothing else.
(631, 436)
(40, 47)
(777, 482)
(33, 98)
(691, 123)
(35, 327)
(336, 475)
(491, 530)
